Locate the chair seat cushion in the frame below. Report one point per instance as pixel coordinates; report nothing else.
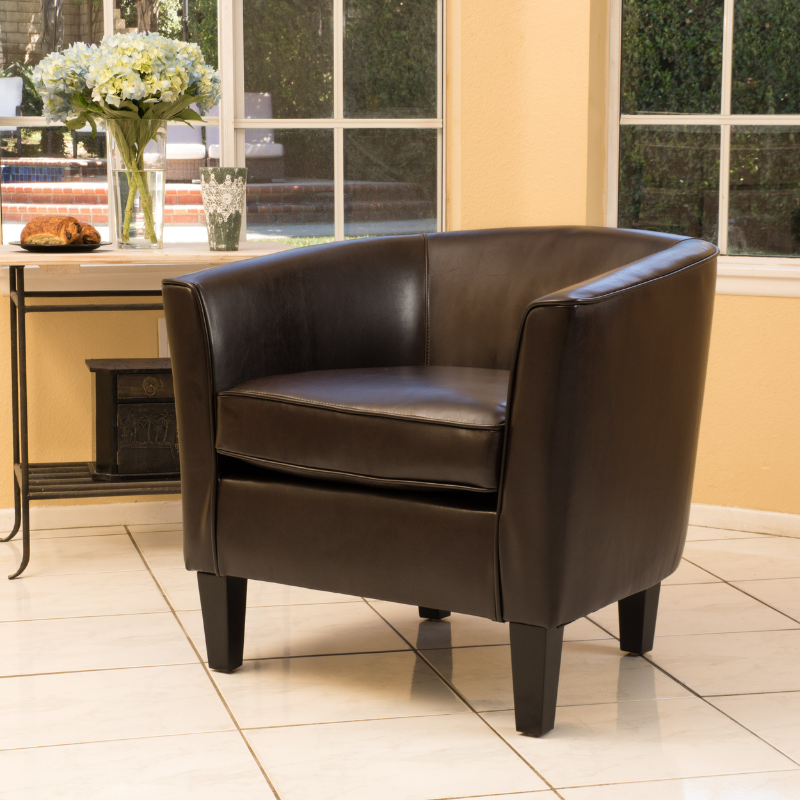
(405, 427)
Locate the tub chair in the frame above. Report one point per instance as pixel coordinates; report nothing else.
(501, 423)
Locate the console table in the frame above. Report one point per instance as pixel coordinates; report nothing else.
(108, 272)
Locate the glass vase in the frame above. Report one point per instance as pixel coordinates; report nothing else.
(138, 162)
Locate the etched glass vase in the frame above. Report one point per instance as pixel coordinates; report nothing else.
(224, 193)
(138, 161)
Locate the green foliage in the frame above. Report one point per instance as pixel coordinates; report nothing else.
(672, 56)
(766, 57)
(390, 58)
(31, 102)
(289, 53)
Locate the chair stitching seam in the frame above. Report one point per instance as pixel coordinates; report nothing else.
(354, 410)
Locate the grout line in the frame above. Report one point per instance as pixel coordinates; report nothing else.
(464, 700)
(205, 667)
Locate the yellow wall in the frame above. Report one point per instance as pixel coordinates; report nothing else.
(526, 94)
(59, 383)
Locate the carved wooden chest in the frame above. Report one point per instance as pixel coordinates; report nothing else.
(136, 434)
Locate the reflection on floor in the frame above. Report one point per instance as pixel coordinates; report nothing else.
(104, 692)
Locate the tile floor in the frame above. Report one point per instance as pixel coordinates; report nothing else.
(104, 692)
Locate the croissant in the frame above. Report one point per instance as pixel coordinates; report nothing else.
(89, 235)
(52, 230)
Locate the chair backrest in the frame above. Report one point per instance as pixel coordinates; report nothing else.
(481, 282)
(10, 96)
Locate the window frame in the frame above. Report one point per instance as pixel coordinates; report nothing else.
(741, 274)
(232, 123)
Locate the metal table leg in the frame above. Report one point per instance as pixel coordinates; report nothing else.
(12, 283)
(22, 473)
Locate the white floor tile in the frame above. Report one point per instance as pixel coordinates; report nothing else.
(758, 786)
(700, 534)
(162, 549)
(325, 629)
(704, 608)
(780, 593)
(155, 526)
(64, 533)
(748, 559)
(86, 643)
(180, 586)
(206, 766)
(87, 595)
(689, 573)
(393, 759)
(74, 707)
(298, 691)
(591, 672)
(542, 794)
(774, 717)
(732, 663)
(73, 555)
(648, 740)
(463, 630)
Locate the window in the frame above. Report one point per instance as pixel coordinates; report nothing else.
(707, 94)
(334, 106)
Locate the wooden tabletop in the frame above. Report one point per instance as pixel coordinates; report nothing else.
(124, 269)
(185, 254)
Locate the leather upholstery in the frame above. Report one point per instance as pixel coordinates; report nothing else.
(605, 333)
(345, 538)
(430, 427)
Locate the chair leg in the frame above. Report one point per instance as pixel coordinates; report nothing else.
(432, 613)
(637, 620)
(223, 601)
(535, 664)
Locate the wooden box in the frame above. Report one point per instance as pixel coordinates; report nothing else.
(136, 434)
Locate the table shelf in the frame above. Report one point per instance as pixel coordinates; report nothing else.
(62, 480)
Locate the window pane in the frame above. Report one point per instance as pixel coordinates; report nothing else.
(165, 17)
(669, 179)
(390, 182)
(41, 176)
(764, 210)
(390, 58)
(288, 59)
(766, 57)
(671, 56)
(289, 185)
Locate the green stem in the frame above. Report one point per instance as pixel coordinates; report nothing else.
(134, 167)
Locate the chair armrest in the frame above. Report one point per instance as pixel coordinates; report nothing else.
(344, 305)
(602, 427)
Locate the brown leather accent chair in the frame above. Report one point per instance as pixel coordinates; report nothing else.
(501, 423)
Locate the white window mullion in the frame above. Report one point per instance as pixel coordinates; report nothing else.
(727, 57)
(725, 131)
(227, 22)
(613, 117)
(724, 184)
(338, 116)
(108, 30)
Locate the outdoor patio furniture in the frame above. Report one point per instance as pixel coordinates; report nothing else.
(501, 423)
(10, 102)
(186, 152)
(263, 157)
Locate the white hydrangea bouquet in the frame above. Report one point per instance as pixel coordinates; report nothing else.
(134, 82)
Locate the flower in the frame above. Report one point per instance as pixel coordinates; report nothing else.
(128, 68)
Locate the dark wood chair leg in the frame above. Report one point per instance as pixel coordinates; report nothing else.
(432, 613)
(535, 664)
(223, 601)
(637, 620)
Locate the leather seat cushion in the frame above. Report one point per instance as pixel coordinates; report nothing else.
(413, 427)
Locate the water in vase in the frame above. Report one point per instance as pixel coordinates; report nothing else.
(139, 207)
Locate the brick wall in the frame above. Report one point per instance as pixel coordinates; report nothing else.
(21, 28)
